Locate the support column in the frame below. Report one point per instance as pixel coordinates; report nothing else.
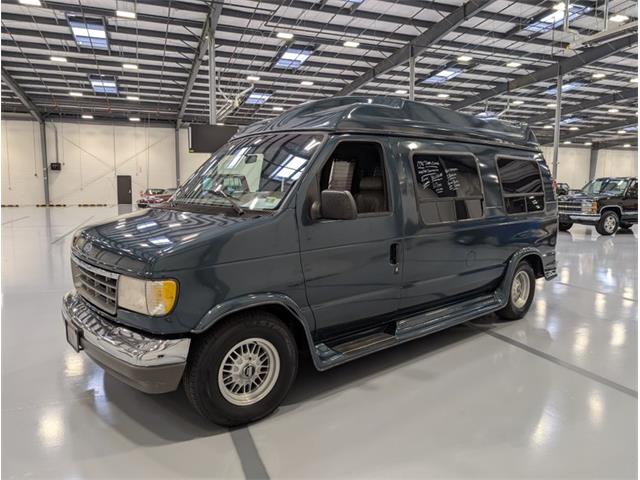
(556, 128)
(412, 78)
(177, 143)
(212, 75)
(593, 163)
(45, 161)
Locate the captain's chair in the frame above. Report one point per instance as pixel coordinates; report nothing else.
(370, 197)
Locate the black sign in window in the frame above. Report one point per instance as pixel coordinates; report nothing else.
(448, 187)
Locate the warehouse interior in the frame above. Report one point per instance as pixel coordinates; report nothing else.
(96, 90)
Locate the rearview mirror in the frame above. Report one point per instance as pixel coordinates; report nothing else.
(338, 205)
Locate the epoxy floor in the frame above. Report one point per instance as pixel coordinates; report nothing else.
(552, 395)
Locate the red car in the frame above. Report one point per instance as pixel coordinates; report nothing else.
(152, 196)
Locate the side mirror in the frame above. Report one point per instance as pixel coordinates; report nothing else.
(338, 205)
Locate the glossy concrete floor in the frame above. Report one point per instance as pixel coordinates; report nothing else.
(553, 395)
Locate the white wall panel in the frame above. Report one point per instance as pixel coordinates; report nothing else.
(21, 163)
(573, 165)
(617, 163)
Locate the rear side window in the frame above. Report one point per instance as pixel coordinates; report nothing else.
(521, 185)
(448, 187)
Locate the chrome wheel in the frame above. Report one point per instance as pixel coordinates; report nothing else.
(249, 371)
(610, 224)
(520, 289)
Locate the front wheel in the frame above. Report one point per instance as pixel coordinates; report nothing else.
(241, 371)
(608, 223)
(564, 226)
(521, 293)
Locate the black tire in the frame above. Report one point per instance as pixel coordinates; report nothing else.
(565, 226)
(608, 223)
(208, 351)
(512, 311)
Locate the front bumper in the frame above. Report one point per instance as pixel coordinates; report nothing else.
(149, 364)
(577, 217)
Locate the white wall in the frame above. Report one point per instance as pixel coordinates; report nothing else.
(617, 163)
(92, 155)
(573, 165)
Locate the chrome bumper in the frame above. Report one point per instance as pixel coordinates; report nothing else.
(150, 364)
(580, 216)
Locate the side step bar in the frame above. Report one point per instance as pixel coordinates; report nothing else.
(406, 329)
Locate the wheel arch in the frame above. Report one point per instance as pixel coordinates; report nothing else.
(612, 208)
(530, 255)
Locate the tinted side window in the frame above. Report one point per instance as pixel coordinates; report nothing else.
(448, 187)
(521, 185)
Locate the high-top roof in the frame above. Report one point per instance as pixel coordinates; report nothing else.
(397, 117)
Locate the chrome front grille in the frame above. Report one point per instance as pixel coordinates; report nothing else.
(97, 286)
(570, 206)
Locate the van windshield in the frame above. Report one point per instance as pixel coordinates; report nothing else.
(612, 186)
(254, 173)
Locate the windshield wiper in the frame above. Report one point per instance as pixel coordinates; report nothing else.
(221, 193)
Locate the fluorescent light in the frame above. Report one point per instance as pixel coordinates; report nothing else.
(58, 59)
(514, 64)
(130, 66)
(33, 3)
(306, 83)
(621, 132)
(351, 44)
(547, 127)
(253, 78)
(517, 102)
(219, 123)
(573, 128)
(284, 35)
(618, 18)
(278, 109)
(567, 142)
(613, 110)
(75, 94)
(587, 144)
(465, 58)
(87, 117)
(626, 145)
(551, 105)
(443, 95)
(598, 75)
(401, 92)
(133, 97)
(125, 14)
(634, 80)
(134, 119)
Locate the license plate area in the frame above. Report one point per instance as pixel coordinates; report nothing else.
(73, 336)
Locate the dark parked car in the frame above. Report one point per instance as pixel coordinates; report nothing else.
(153, 196)
(342, 227)
(608, 203)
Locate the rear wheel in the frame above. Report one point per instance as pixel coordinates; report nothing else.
(521, 293)
(608, 223)
(242, 370)
(564, 226)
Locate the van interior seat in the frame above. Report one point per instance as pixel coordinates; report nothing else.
(370, 197)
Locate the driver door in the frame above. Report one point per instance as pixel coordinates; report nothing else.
(352, 268)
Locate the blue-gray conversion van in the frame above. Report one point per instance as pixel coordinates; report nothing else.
(340, 228)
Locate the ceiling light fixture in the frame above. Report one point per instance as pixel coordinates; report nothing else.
(621, 132)
(598, 75)
(284, 35)
(134, 119)
(551, 105)
(75, 94)
(130, 66)
(587, 144)
(401, 92)
(465, 58)
(547, 127)
(567, 142)
(306, 83)
(618, 18)
(253, 78)
(278, 109)
(133, 97)
(351, 44)
(613, 110)
(33, 3)
(626, 145)
(514, 64)
(125, 14)
(58, 59)
(634, 80)
(443, 95)
(517, 102)
(87, 117)
(573, 128)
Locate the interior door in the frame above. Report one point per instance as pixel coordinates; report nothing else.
(124, 189)
(352, 268)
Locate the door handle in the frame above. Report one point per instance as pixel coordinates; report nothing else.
(393, 257)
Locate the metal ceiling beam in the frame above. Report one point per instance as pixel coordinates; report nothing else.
(597, 129)
(209, 28)
(625, 94)
(17, 90)
(617, 142)
(419, 43)
(563, 66)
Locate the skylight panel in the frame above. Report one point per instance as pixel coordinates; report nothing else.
(257, 98)
(570, 120)
(566, 87)
(444, 75)
(89, 32)
(556, 18)
(103, 84)
(293, 57)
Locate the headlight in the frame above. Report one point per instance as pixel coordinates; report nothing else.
(150, 297)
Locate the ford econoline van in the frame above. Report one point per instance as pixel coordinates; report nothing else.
(340, 228)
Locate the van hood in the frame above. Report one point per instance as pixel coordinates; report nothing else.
(132, 243)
